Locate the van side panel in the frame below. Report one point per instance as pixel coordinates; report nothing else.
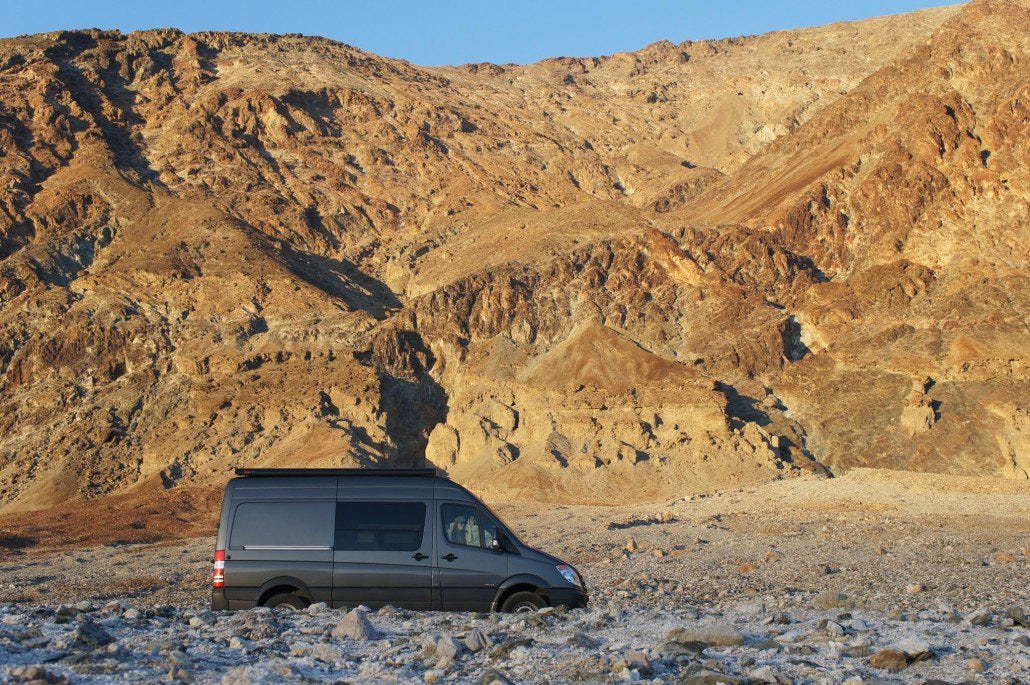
(383, 552)
(278, 538)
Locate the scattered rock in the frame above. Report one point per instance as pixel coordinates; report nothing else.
(833, 600)
(448, 648)
(92, 635)
(356, 626)
(35, 675)
(889, 659)
(914, 648)
(477, 641)
(492, 677)
(716, 635)
(584, 640)
(980, 617)
(915, 588)
(638, 661)
(706, 676)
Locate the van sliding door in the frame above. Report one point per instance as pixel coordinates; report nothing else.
(382, 554)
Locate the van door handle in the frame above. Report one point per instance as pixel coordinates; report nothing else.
(449, 557)
(418, 556)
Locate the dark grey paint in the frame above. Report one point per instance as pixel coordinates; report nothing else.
(452, 577)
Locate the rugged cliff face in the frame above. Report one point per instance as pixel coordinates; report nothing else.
(583, 279)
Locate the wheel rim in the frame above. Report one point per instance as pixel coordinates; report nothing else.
(525, 608)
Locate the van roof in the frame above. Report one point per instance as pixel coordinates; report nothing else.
(379, 473)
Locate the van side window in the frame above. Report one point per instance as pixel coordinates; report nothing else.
(466, 525)
(380, 526)
(272, 525)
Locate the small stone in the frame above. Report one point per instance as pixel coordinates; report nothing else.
(237, 642)
(673, 649)
(975, 665)
(833, 600)
(131, 614)
(196, 622)
(914, 648)
(772, 556)
(36, 675)
(356, 626)
(880, 551)
(317, 608)
(448, 648)
(477, 641)
(433, 675)
(980, 617)
(834, 629)
(746, 567)
(764, 674)
(1004, 558)
(668, 517)
(638, 661)
(915, 588)
(492, 677)
(707, 676)
(631, 545)
(659, 553)
(717, 635)
(1018, 615)
(889, 659)
(584, 640)
(93, 635)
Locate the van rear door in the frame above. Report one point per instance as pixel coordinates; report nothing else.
(383, 553)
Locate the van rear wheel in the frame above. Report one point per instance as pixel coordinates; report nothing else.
(286, 601)
(523, 603)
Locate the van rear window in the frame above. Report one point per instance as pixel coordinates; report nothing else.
(380, 526)
(282, 525)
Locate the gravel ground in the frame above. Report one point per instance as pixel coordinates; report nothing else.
(868, 577)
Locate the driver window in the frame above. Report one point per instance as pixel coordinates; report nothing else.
(489, 531)
(462, 525)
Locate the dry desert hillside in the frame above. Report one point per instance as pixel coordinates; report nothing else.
(621, 278)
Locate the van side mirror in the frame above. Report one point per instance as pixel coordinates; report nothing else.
(497, 545)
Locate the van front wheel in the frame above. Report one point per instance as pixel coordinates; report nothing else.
(285, 600)
(523, 603)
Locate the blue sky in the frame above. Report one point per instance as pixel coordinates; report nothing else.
(452, 32)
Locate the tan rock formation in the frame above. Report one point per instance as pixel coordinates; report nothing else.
(587, 279)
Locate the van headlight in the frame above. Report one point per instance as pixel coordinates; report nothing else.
(569, 574)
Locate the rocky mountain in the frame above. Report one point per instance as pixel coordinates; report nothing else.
(591, 280)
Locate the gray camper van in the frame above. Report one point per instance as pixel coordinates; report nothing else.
(406, 537)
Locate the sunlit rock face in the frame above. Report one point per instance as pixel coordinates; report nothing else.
(605, 279)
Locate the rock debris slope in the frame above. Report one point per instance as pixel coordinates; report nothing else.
(690, 266)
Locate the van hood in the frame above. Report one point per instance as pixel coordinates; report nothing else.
(539, 555)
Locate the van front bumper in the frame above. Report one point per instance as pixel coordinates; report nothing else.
(571, 597)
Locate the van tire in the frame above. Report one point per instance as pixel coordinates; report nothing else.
(523, 602)
(285, 600)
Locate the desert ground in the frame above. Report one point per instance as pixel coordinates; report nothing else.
(875, 576)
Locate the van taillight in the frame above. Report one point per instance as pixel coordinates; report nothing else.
(218, 572)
